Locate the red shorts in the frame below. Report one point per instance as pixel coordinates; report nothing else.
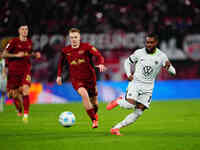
(16, 80)
(90, 86)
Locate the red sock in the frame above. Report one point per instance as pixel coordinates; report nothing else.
(17, 105)
(95, 108)
(91, 114)
(26, 104)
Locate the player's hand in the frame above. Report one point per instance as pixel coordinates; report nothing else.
(37, 55)
(20, 54)
(101, 67)
(59, 80)
(167, 65)
(130, 78)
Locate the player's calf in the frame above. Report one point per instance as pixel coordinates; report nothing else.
(113, 103)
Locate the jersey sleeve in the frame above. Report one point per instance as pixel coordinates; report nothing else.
(133, 58)
(10, 45)
(60, 64)
(95, 52)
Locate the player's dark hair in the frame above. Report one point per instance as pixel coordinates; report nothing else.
(74, 30)
(22, 24)
(153, 35)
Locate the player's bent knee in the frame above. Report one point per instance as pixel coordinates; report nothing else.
(82, 92)
(141, 107)
(25, 90)
(131, 101)
(9, 94)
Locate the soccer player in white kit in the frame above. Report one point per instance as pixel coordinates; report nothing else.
(3, 81)
(147, 63)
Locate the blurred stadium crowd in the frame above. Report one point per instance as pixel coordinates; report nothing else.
(169, 18)
(55, 16)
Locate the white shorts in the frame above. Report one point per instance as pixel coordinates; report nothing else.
(3, 84)
(139, 94)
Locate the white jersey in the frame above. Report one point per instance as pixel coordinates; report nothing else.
(146, 66)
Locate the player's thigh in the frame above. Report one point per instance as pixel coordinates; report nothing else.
(132, 92)
(25, 84)
(145, 99)
(92, 90)
(82, 91)
(13, 83)
(14, 80)
(94, 100)
(25, 89)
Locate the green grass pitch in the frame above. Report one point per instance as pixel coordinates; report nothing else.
(167, 125)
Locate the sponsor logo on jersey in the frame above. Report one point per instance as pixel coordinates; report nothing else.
(147, 71)
(80, 61)
(81, 51)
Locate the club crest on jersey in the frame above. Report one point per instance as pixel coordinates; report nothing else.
(156, 62)
(94, 49)
(73, 62)
(19, 46)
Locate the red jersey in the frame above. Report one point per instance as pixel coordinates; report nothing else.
(19, 64)
(80, 61)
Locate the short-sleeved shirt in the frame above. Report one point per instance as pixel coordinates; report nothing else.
(147, 66)
(19, 64)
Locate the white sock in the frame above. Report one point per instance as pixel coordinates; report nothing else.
(1, 103)
(125, 104)
(25, 115)
(131, 118)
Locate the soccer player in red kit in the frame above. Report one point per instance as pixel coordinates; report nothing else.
(82, 73)
(18, 53)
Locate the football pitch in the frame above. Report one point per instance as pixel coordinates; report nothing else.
(167, 125)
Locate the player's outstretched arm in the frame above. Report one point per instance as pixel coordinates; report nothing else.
(36, 55)
(168, 66)
(60, 68)
(6, 54)
(127, 68)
